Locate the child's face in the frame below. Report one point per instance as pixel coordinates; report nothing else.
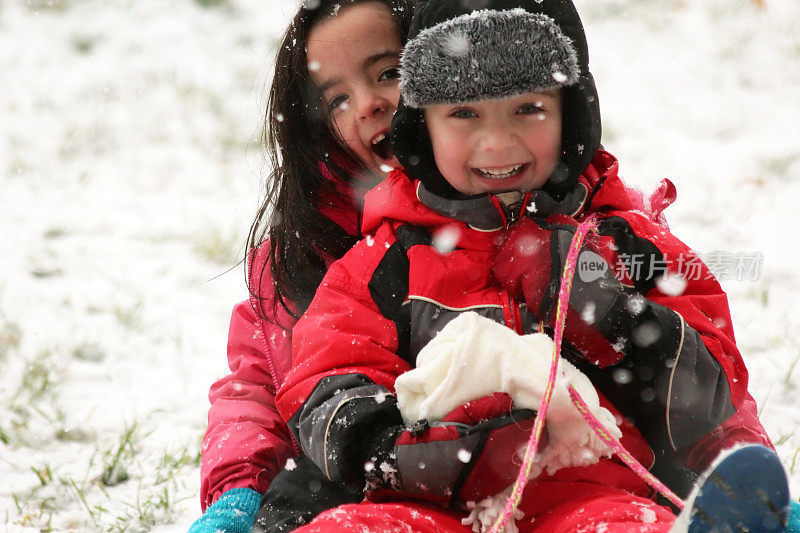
(354, 60)
(492, 146)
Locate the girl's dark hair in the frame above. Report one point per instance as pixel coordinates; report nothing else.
(298, 137)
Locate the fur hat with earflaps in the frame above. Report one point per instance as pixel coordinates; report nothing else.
(468, 50)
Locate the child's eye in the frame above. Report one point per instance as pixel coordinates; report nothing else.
(530, 109)
(389, 74)
(338, 102)
(463, 112)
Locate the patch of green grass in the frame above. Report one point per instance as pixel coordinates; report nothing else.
(129, 316)
(160, 478)
(65, 434)
(44, 473)
(155, 504)
(44, 272)
(35, 512)
(794, 460)
(172, 462)
(95, 512)
(83, 44)
(10, 336)
(55, 232)
(54, 5)
(779, 166)
(36, 396)
(89, 351)
(35, 509)
(146, 511)
(115, 470)
(211, 3)
(789, 371)
(38, 380)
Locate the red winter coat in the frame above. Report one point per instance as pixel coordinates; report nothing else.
(387, 297)
(247, 442)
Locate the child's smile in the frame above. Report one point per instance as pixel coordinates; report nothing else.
(502, 172)
(492, 146)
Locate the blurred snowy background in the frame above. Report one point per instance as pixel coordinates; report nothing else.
(130, 167)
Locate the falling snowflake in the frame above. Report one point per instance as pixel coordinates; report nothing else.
(622, 376)
(648, 516)
(648, 395)
(528, 246)
(619, 346)
(588, 314)
(635, 304)
(446, 239)
(671, 284)
(464, 455)
(646, 334)
(456, 45)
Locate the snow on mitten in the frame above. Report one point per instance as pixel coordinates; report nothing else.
(474, 356)
(469, 455)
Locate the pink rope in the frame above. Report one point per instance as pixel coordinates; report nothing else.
(590, 224)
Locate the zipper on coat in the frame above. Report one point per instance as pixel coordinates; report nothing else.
(511, 313)
(517, 210)
(499, 206)
(512, 213)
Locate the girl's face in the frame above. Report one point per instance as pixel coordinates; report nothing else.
(354, 59)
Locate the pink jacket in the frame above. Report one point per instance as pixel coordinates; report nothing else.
(247, 442)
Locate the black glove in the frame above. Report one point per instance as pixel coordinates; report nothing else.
(298, 495)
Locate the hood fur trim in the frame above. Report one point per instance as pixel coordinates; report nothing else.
(486, 55)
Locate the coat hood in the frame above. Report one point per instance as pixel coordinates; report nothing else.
(455, 53)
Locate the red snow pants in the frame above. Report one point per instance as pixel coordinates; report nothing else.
(571, 501)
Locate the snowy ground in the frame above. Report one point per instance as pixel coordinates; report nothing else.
(130, 167)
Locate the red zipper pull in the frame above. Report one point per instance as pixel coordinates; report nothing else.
(499, 207)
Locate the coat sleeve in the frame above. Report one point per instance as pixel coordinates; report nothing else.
(247, 442)
(339, 394)
(683, 379)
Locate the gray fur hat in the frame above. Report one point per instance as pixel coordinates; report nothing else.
(467, 50)
(485, 55)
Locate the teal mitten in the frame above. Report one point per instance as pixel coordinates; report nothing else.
(234, 512)
(794, 518)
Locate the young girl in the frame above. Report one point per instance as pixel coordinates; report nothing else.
(498, 131)
(326, 132)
